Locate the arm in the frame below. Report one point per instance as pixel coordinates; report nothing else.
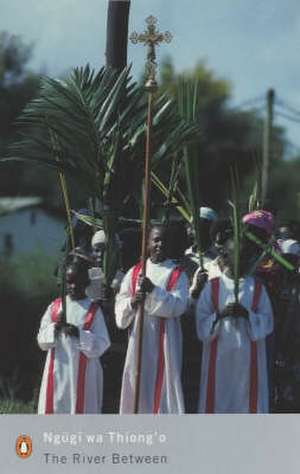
(206, 318)
(94, 342)
(261, 322)
(198, 283)
(168, 304)
(46, 334)
(123, 309)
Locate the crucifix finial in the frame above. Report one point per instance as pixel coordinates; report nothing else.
(151, 38)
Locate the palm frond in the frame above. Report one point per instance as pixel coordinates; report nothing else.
(98, 119)
(255, 198)
(187, 97)
(236, 219)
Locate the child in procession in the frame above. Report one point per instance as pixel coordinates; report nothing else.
(234, 376)
(165, 288)
(72, 380)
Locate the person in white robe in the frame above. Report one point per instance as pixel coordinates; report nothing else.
(210, 259)
(234, 376)
(72, 380)
(97, 290)
(166, 289)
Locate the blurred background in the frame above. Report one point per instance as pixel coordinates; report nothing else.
(245, 57)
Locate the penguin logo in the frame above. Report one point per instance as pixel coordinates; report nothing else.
(23, 446)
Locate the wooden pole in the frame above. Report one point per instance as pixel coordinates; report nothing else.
(151, 38)
(145, 234)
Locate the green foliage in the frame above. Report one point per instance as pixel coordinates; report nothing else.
(99, 121)
(13, 407)
(17, 87)
(10, 389)
(214, 92)
(188, 99)
(31, 274)
(27, 287)
(91, 127)
(284, 192)
(228, 137)
(255, 198)
(14, 55)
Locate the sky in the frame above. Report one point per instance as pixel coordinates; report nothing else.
(254, 44)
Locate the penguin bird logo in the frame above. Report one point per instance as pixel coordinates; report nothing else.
(23, 446)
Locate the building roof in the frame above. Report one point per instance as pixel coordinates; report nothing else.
(9, 205)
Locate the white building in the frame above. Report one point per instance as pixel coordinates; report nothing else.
(26, 227)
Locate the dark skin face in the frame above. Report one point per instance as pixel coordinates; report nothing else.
(285, 232)
(204, 229)
(190, 235)
(76, 283)
(97, 253)
(157, 245)
(249, 253)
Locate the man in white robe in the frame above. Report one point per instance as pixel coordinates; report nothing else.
(72, 380)
(207, 218)
(166, 288)
(234, 375)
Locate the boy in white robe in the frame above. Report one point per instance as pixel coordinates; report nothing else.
(72, 380)
(234, 375)
(166, 288)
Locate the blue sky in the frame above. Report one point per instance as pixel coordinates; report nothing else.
(253, 43)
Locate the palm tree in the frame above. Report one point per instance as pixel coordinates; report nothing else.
(98, 121)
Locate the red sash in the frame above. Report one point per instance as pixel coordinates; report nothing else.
(211, 381)
(253, 360)
(88, 320)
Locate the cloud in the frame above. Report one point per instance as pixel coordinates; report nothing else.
(252, 43)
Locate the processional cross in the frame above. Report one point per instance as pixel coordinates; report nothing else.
(150, 38)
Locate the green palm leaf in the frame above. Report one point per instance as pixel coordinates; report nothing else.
(99, 123)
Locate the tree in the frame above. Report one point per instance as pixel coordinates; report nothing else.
(228, 136)
(17, 86)
(284, 190)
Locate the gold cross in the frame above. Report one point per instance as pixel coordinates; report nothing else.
(151, 38)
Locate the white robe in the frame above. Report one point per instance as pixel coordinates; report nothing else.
(73, 378)
(161, 308)
(234, 376)
(213, 270)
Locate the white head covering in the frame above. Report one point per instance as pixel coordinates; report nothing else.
(291, 246)
(98, 238)
(208, 213)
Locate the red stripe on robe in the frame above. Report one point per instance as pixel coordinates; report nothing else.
(50, 378)
(211, 381)
(89, 318)
(253, 392)
(161, 356)
(175, 274)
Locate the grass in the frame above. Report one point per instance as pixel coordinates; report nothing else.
(10, 407)
(33, 274)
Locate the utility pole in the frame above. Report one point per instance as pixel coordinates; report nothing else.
(267, 144)
(117, 33)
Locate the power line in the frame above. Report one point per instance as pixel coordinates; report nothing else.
(249, 103)
(285, 105)
(288, 117)
(292, 145)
